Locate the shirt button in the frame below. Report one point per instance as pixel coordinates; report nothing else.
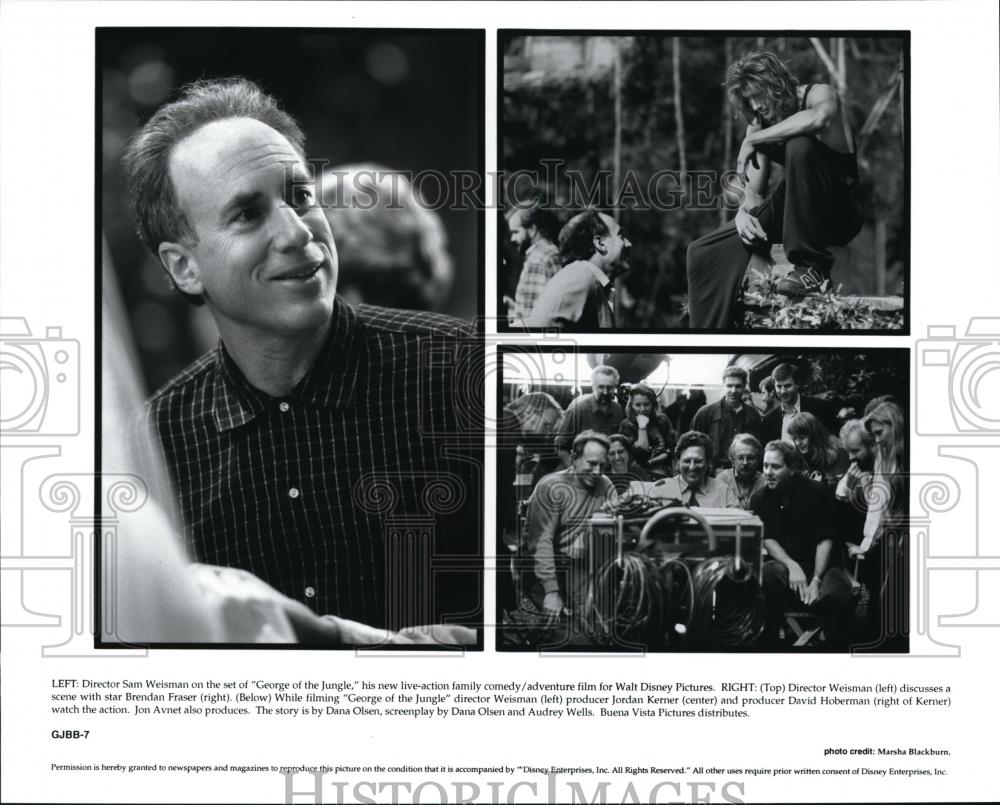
(310, 592)
(283, 407)
(293, 493)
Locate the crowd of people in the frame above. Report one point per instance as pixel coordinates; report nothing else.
(831, 505)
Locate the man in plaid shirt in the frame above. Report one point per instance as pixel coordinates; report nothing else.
(533, 230)
(330, 450)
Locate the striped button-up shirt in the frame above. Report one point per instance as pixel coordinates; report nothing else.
(541, 263)
(346, 493)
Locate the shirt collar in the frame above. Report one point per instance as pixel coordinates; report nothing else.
(601, 277)
(725, 412)
(682, 485)
(539, 245)
(796, 409)
(329, 382)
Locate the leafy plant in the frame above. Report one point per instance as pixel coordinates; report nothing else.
(769, 310)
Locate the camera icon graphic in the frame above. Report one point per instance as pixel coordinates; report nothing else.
(957, 380)
(41, 381)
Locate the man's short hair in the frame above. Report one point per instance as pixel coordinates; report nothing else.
(586, 436)
(767, 385)
(736, 371)
(544, 220)
(576, 240)
(783, 371)
(695, 438)
(857, 427)
(747, 439)
(151, 194)
(788, 452)
(604, 370)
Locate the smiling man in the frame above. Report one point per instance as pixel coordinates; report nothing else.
(558, 516)
(308, 448)
(692, 486)
(790, 403)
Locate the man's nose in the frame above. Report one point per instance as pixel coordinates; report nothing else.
(291, 231)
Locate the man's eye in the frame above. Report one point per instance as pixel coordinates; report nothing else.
(303, 197)
(248, 215)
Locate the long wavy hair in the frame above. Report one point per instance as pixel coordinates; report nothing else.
(822, 453)
(889, 456)
(762, 77)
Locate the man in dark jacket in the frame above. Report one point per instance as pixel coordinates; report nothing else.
(727, 417)
(802, 570)
(786, 389)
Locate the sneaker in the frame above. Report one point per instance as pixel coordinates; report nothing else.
(801, 282)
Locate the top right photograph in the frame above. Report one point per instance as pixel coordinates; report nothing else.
(704, 182)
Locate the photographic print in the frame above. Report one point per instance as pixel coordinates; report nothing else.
(704, 182)
(290, 358)
(703, 501)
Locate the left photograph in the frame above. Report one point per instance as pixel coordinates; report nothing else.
(289, 259)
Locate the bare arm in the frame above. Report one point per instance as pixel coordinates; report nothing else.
(755, 178)
(543, 525)
(817, 117)
(796, 576)
(823, 551)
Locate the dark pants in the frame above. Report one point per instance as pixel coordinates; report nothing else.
(815, 205)
(834, 607)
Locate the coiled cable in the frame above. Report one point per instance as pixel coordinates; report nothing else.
(728, 609)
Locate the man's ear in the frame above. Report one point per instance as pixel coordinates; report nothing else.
(599, 246)
(182, 267)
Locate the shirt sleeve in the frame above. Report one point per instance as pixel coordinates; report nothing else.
(543, 522)
(567, 428)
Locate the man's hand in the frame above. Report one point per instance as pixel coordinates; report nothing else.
(853, 475)
(797, 579)
(811, 595)
(553, 606)
(749, 228)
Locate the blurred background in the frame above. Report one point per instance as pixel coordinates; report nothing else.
(408, 102)
(643, 104)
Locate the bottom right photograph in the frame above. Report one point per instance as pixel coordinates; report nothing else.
(703, 500)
